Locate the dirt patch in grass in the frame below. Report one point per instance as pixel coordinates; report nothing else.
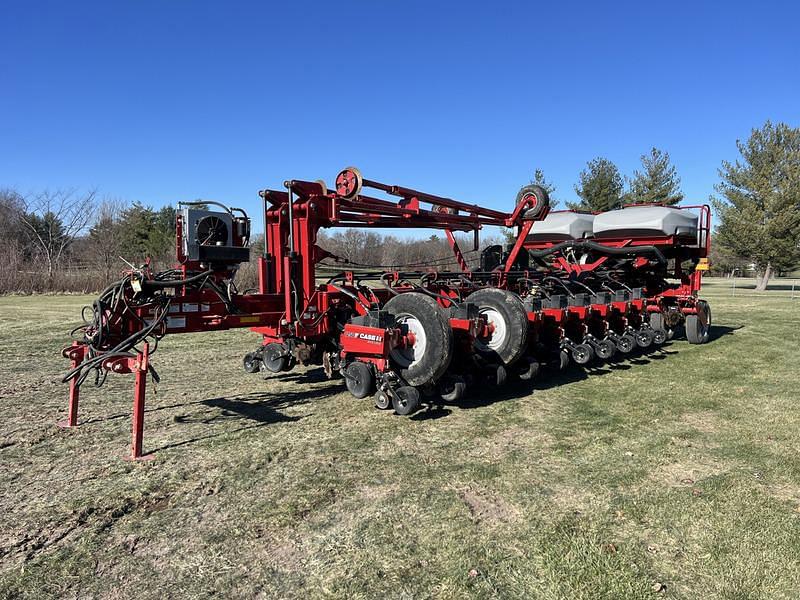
(687, 472)
(705, 421)
(488, 508)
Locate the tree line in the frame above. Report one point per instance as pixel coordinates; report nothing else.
(66, 240)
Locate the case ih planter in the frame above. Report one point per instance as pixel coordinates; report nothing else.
(573, 286)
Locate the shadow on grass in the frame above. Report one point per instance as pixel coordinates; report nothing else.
(261, 407)
(549, 378)
(717, 331)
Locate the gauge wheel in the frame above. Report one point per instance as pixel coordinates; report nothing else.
(406, 400)
(359, 380)
(698, 326)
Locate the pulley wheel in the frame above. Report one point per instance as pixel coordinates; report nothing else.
(349, 183)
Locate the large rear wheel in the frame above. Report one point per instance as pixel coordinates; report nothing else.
(508, 321)
(426, 359)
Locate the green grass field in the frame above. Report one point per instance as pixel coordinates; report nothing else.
(673, 474)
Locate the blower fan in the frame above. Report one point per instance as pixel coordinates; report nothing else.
(212, 231)
(214, 237)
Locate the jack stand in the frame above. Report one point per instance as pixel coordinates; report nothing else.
(76, 353)
(137, 365)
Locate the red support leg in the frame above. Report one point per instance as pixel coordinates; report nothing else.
(75, 353)
(140, 386)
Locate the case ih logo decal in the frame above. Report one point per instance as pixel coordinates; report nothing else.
(370, 337)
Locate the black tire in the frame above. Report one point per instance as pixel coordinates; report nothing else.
(500, 376)
(659, 336)
(273, 357)
(698, 326)
(251, 362)
(605, 349)
(405, 400)
(413, 310)
(359, 379)
(582, 354)
(506, 312)
(530, 370)
(563, 360)
(657, 322)
(660, 333)
(542, 200)
(382, 400)
(626, 344)
(644, 338)
(452, 388)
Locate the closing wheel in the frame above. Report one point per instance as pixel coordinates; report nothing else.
(382, 400)
(626, 343)
(582, 354)
(428, 355)
(452, 388)
(659, 336)
(563, 360)
(274, 358)
(251, 362)
(644, 338)
(508, 321)
(698, 325)
(405, 400)
(529, 369)
(359, 380)
(605, 349)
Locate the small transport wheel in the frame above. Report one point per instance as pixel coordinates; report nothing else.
(644, 338)
(582, 354)
(452, 388)
(274, 358)
(251, 362)
(506, 316)
(626, 343)
(605, 349)
(428, 357)
(405, 400)
(359, 380)
(382, 400)
(698, 325)
(529, 370)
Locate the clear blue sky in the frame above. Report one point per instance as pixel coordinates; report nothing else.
(177, 99)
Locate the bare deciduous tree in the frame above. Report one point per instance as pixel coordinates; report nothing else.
(53, 220)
